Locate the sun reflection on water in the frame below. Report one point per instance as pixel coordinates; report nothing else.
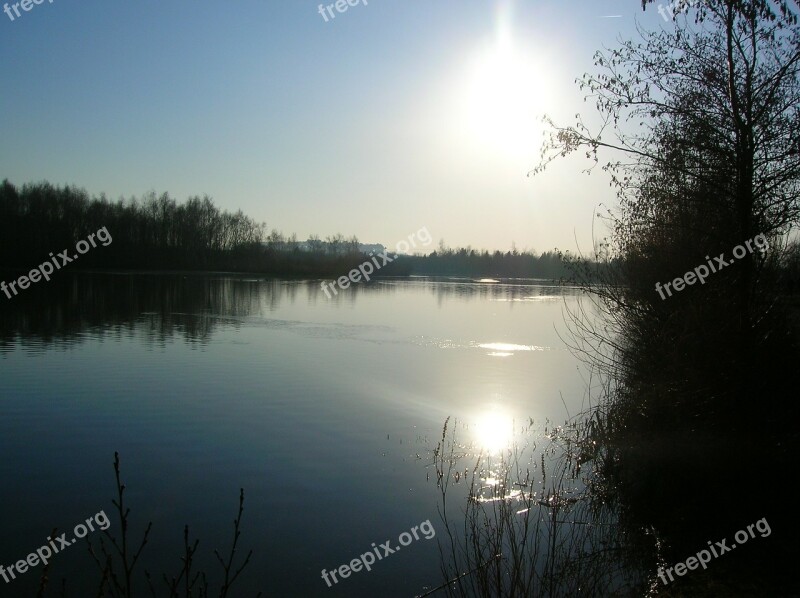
(494, 430)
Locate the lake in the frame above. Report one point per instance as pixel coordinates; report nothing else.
(324, 410)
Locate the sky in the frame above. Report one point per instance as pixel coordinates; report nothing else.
(381, 120)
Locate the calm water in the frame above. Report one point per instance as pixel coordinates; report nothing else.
(324, 411)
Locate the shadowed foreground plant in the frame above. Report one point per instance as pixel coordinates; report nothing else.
(199, 580)
(45, 579)
(529, 533)
(117, 559)
(119, 587)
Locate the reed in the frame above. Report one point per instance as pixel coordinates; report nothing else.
(117, 557)
(531, 520)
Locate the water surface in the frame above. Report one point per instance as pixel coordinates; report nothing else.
(324, 410)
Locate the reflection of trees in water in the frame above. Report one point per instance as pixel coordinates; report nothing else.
(499, 291)
(158, 307)
(153, 307)
(469, 289)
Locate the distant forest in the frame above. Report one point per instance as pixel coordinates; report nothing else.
(468, 262)
(155, 232)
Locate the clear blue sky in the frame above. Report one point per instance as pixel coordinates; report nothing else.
(392, 116)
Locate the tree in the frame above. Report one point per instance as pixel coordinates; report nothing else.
(702, 122)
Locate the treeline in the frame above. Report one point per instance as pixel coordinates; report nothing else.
(155, 232)
(468, 262)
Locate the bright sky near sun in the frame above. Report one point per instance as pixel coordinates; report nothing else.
(391, 116)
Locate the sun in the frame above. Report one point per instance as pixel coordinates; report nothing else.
(494, 430)
(505, 94)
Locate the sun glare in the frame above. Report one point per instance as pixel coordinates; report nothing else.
(494, 430)
(506, 92)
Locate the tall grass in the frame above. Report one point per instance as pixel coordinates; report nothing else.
(534, 519)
